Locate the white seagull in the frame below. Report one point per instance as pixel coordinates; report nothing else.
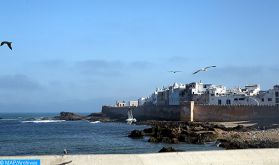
(174, 71)
(9, 44)
(204, 69)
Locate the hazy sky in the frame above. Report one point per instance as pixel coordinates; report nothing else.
(77, 55)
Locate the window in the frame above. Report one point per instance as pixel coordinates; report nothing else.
(235, 99)
(277, 94)
(277, 100)
(241, 99)
(228, 102)
(269, 99)
(219, 102)
(262, 99)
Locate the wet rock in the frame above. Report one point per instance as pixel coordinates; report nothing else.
(148, 131)
(154, 140)
(98, 114)
(167, 132)
(233, 144)
(174, 141)
(167, 149)
(166, 140)
(206, 136)
(263, 144)
(136, 134)
(198, 128)
(70, 116)
(182, 138)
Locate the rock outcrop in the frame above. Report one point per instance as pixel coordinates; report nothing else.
(239, 137)
(167, 149)
(69, 116)
(136, 134)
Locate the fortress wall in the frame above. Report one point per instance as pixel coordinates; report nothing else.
(148, 112)
(193, 112)
(115, 111)
(235, 113)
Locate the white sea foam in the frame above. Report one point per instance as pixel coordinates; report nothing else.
(95, 122)
(43, 121)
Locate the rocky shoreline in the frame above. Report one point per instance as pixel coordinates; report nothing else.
(239, 137)
(69, 116)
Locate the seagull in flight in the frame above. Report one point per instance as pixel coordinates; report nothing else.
(174, 71)
(9, 44)
(204, 69)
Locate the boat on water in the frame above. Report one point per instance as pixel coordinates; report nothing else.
(130, 119)
(95, 122)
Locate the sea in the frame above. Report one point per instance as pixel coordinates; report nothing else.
(28, 134)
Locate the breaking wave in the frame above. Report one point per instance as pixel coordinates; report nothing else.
(43, 121)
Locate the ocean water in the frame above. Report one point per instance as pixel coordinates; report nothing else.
(18, 137)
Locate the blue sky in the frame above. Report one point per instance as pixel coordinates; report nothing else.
(77, 55)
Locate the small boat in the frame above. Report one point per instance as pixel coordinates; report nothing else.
(130, 119)
(95, 122)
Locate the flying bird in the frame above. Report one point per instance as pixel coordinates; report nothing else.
(204, 69)
(9, 44)
(174, 71)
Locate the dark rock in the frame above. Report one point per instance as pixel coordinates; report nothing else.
(263, 144)
(98, 114)
(206, 136)
(233, 144)
(167, 132)
(198, 128)
(166, 140)
(174, 141)
(136, 134)
(70, 116)
(167, 149)
(182, 138)
(154, 140)
(148, 131)
(98, 117)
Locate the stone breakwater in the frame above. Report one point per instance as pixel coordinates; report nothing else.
(239, 137)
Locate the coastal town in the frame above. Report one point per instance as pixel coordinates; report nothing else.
(208, 94)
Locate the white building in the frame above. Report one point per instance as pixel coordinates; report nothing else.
(198, 88)
(233, 99)
(120, 104)
(216, 90)
(141, 101)
(213, 95)
(250, 95)
(252, 90)
(174, 93)
(133, 103)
